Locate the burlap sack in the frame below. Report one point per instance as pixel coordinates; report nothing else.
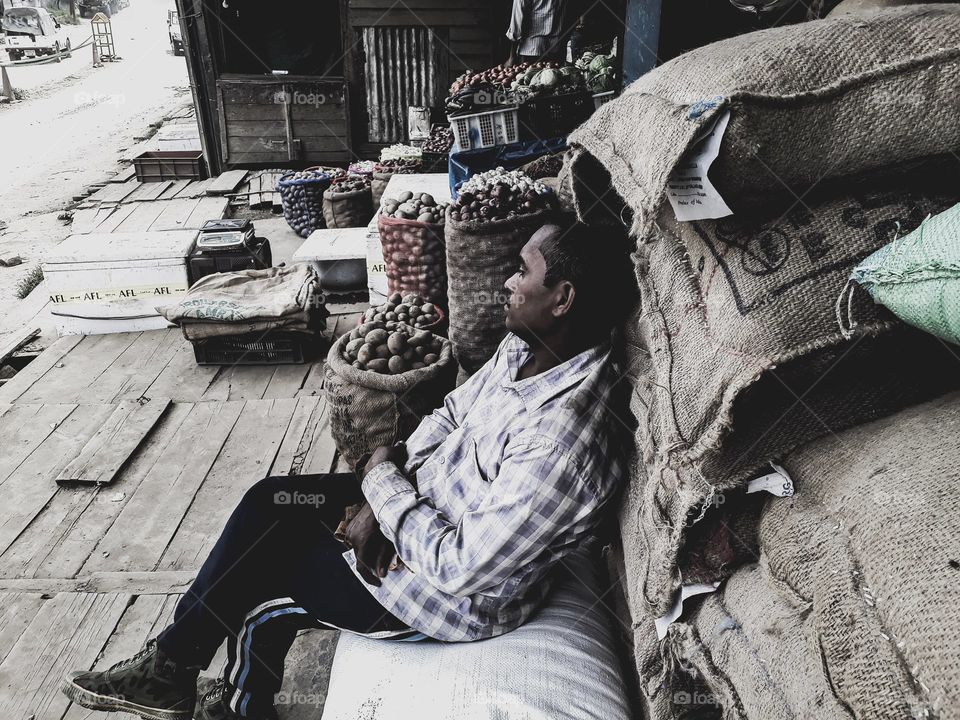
(347, 209)
(415, 257)
(872, 542)
(742, 360)
(378, 184)
(820, 99)
(368, 409)
(481, 256)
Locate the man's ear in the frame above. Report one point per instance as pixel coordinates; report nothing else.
(565, 295)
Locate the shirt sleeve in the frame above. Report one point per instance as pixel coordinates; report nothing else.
(519, 19)
(537, 495)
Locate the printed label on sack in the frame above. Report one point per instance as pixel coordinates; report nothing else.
(689, 190)
(118, 294)
(777, 483)
(687, 591)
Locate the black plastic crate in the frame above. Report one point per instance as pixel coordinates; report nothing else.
(208, 262)
(554, 115)
(159, 165)
(274, 347)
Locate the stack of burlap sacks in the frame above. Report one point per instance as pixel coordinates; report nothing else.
(841, 600)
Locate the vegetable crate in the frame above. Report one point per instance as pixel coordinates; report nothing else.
(554, 115)
(160, 165)
(485, 129)
(601, 98)
(274, 347)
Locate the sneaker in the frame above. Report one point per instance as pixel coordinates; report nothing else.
(213, 705)
(149, 684)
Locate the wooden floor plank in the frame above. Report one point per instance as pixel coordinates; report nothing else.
(175, 187)
(115, 192)
(135, 369)
(182, 380)
(148, 191)
(17, 609)
(133, 583)
(115, 218)
(313, 382)
(141, 218)
(209, 208)
(28, 489)
(256, 185)
(114, 442)
(60, 540)
(286, 381)
(13, 341)
(197, 188)
(24, 428)
(124, 175)
(23, 380)
(67, 633)
(149, 519)
(294, 447)
(87, 220)
(174, 214)
(240, 382)
(246, 457)
(322, 450)
(79, 369)
(226, 182)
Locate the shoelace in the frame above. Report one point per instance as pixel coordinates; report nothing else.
(139, 656)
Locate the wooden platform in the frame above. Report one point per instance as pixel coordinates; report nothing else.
(89, 572)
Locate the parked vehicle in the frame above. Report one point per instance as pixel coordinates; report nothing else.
(32, 32)
(173, 30)
(89, 8)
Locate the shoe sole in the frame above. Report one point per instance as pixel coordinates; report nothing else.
(93, 701)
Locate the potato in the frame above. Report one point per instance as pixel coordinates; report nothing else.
(376, 337)
(354, 345)
(355, 334)
(395, 299)
(430, 359)
(378, 365)
(417, 365)
(391, 316)
(365, 354)
(382, 351)
(357, 364)
(427, 308)
(396, 365)
(405, 196)
(397, 343)
(409, 355)
(420, 351)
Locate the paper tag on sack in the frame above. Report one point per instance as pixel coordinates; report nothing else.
(777, 483)
(686, 591)
(689, 190)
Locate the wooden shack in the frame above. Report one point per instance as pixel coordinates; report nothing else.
(297, 84)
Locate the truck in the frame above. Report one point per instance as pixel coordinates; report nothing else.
(174, 32)
(31, 32)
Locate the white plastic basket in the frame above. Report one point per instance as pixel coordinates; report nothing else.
(485, 129)
(601, 98)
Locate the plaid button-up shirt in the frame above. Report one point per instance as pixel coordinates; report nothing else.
(510, 476)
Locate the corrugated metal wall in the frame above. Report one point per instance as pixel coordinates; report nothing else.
(403, 66)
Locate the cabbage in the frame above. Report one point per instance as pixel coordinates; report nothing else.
(599, 63)
(548, 78)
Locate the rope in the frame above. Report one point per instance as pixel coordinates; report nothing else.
(50, 58)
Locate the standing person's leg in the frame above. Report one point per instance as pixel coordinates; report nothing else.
(278, 521)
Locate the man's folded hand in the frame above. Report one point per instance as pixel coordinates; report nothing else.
(373, 550)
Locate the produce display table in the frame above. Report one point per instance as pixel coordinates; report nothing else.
(438, 185)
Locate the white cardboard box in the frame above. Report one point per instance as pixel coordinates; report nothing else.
(113, 282)
(438, 185)
(339, 256)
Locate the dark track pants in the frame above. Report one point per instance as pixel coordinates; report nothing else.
(275, 569)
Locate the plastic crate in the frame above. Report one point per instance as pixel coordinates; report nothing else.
(206, 262)
(485, 129)
(601, 98)
(554, 115)
(159, 165)
(274, 347)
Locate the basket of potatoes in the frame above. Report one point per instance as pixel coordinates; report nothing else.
(411, 235)
(380, 382)
(348, 202)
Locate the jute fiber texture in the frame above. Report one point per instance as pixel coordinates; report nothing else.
(740, 359)
(368, 409)
(481, 256)
(347, 209)
(822, 99)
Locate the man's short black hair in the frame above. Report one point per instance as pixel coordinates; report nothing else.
(596, 261)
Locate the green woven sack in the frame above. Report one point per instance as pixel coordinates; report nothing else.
(917, 277)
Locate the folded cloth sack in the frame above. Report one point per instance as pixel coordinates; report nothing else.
(221, 304)
(917, 277)
(559, 665)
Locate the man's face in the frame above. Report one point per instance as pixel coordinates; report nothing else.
(531, 307)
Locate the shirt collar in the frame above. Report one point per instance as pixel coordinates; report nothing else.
(537, 390)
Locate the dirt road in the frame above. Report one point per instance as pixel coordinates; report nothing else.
(74, 126)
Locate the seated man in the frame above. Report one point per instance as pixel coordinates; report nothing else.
(487, 495)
